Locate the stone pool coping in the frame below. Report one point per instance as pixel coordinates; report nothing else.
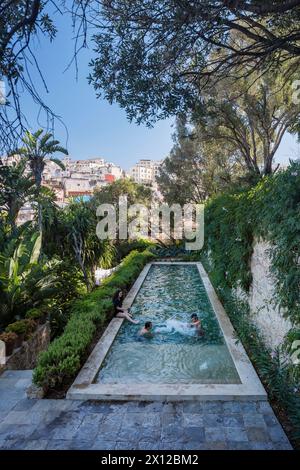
(250, 387)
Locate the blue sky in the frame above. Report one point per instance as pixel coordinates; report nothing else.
(95, 128)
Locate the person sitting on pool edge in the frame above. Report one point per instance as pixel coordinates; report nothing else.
(196, 323)
(146, 330)
(120, 312)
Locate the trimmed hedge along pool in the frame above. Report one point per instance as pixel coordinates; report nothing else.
(168, 297)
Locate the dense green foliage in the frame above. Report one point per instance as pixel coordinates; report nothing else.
(153, 57)
(27, 279)
(197, 167)
(64, 356)
(270, 211)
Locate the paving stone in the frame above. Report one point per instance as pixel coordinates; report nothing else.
(43, 431)
(135, 407)
(233, 421)
(212, 407)
(276, 434)
(235, 434)
(23, 383)
(149, 432)
(7, 404)
(133, 419)
(270, 419)
(248, 407)
(59, 444)
(94, 407)
(257, 434)
(13, 395)
(155, 407)
(264, 407)
(82, 444)
(192, 419)
(172, 445)
(102, 444)
(214, 434)
(254, 420)
(66, 424)
(16, 374)
(192, 407)
(120, 408)
(262, 446)
(24, 405)
(125, 445)
(2, 443)
(172, 407)
(89, 427)
(231, 407)
(149, 445)
(11, 431)
(7, 384)
(168, 419)
(110, 426)
(132, 433)
(283, 445)
(37, 444)
(242, 445)
(218, 445)
(194, 434)
(10, 444)
(211, 419)
(3, 415)
(151, 419)
(18, 417)
(171, 432)
(192, 446)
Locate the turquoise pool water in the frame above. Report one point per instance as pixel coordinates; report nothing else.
(168, 297)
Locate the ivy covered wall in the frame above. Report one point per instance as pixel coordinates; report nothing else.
(268, 216)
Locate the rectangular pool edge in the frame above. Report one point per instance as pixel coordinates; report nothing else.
(250, 387)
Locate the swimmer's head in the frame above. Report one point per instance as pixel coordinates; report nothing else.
(148, 325)
(194, 317)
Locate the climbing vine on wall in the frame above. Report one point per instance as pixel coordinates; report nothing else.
(270, 211)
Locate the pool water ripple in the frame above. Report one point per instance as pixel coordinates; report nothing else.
(168, 297)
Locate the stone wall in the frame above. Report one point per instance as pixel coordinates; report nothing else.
(25, 357)
(265, 313)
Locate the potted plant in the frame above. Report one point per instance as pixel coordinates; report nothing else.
(19, 328)
(9, 339)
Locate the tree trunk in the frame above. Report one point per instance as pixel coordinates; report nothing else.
(78, 250)
(268, 164)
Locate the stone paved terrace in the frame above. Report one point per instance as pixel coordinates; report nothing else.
(66, 424)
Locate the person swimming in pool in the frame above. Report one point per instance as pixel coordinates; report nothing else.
(196, 323)
(146, 331)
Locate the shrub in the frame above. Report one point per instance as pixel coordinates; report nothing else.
(22, 327)
(34, 313)
(19, 327)
(63, 359)
(8, 337)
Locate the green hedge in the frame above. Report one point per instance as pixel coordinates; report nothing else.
(63, 359)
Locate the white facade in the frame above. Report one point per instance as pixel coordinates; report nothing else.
(145, 172)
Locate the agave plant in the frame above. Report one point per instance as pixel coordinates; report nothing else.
(26, 279)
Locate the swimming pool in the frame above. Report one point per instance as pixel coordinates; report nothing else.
(175, 353)
(175, 364)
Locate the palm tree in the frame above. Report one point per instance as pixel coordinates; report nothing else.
(37, 148)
